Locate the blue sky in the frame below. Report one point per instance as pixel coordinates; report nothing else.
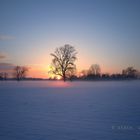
(106, 32)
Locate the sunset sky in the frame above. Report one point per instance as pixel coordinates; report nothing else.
(104, 32)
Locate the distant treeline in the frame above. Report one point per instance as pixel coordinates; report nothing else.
(63, 67)
(93, 73)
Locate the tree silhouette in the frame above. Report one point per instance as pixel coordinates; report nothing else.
(63, 61)
(20, 72)
(3, 76)
(130, 72)
(94, 71)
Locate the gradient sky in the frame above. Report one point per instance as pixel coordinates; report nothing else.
(106, 32)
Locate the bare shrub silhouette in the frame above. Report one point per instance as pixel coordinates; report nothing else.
(20, 72)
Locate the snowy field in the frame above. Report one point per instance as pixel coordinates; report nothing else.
(43, 110)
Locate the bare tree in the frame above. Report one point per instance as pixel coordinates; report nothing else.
(130, 72)
(63, 61)
(20, 72)
(3, 76)
(94, 69)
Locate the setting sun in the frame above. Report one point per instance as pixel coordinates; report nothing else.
(58, 77)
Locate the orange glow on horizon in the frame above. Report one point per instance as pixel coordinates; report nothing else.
(41, 71)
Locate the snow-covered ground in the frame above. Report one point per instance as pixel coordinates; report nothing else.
(43, 110)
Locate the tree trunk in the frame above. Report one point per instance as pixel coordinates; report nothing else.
(64, 77)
